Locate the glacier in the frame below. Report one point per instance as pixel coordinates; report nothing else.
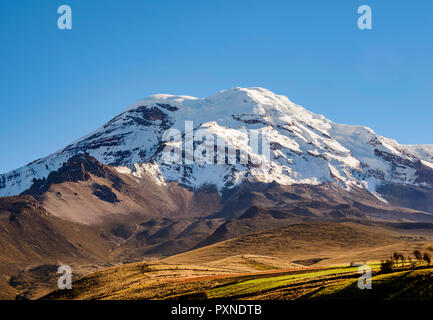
(306, 148)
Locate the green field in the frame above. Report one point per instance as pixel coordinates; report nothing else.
(332, 283)
(406, 285)
(252, 286)
(156, 281)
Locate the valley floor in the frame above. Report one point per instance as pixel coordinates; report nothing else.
(305, 261)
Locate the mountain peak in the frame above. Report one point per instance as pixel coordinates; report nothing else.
(305, 147)
(236, 100)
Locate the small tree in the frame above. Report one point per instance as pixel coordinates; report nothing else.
(418, 255)
(395, 257)
(387, 265)
(427, 258)
(402, 259)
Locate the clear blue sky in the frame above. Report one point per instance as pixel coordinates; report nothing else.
(56, 86)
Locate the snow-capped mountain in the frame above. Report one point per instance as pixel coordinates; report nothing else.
(304, 147)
